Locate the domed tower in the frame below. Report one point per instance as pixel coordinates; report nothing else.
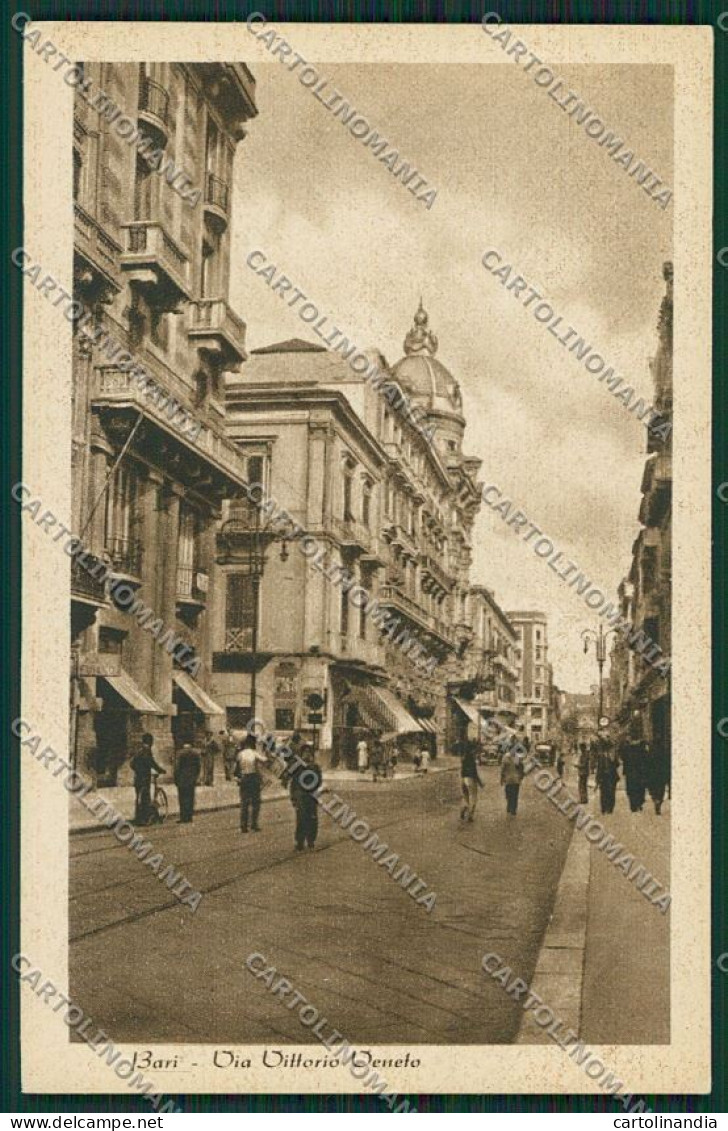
(430, 385)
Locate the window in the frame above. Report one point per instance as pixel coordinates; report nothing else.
(366, 503)
(348, 473)
(142, 190)
(77, 174)
(285, 718)
(362, 623)
(538, 692)
(111, 641)
(240, 612)
(237, 718)
(120, 521)
(256, 469)
(537, 712)
(187, 556)
(344, 614)
(159, 329)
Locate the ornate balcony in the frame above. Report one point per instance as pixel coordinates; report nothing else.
(217, 332)
(96, 259)
(217, 203)
(153, 112)
(85, 587)
(156, 265)
(125, 557)
(355, 537)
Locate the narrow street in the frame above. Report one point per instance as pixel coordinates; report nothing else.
(376, 964)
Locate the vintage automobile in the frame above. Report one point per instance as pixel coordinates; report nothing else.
(546, 753)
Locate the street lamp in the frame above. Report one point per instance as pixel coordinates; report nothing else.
(600, 642)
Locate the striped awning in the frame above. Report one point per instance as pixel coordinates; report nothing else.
(381, 708)
(197, 694)
(125, 686)
(469, 710)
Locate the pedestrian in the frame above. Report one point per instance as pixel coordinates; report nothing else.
(582, 769)
(607, 775)
(560, 765)
(362, 756)
(186, 775)
(305, 783)
(210, 752)
(247, 770)
(470, 783)
(656, 774)
(511, 777)
(633, 754)
(424, 760)
(143, 764)
(226, 743)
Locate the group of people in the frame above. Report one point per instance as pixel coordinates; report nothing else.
(243, 762)
(511, 774)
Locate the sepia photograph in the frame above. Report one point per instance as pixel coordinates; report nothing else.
(367, 558)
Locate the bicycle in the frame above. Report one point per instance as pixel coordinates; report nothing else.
(158, 804)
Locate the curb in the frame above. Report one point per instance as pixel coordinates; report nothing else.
(559, 975)
(278, 795)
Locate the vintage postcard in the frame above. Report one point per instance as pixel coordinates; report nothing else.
(365, 724)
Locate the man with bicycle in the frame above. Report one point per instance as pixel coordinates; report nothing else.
(143, 764)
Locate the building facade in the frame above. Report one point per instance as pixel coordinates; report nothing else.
(151, 461)
(639, 687)
(381, 502)
(533, 666)
(490, 672)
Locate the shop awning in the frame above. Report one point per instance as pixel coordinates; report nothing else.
(428, 725)
(124, 685)
(193, 691)
(469, 710)
(382, 708)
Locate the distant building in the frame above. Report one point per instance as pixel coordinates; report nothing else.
(490, 673)
(532, 659)
(383, 503)
(579, 716)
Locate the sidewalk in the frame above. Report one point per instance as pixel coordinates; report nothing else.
(224, 794)
(604, 964)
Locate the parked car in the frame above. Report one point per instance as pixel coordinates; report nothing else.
(546, 753)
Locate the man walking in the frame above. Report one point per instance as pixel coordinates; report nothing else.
(305, 783)
(511, 778)
(247, 770)
(470, 783)
(582, 770)
(607, 775)
(186, 775)
(143, 763)
(226, 743)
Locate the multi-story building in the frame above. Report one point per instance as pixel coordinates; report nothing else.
(532, 659)
(490, 673)
(639, 684)
(579, 715)
(383, 502)
(151, 270)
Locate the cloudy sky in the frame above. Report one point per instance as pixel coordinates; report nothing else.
(514, 173)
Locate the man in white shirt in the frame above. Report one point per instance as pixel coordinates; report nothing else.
(248, 761)
(362, 756)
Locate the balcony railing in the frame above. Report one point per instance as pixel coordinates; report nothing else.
(97, 257)
(83, 584)
(125, 555)
(154, 262)
(217, 330)
(191, 584)
(217, 192)
(154, 99)
(353, 534)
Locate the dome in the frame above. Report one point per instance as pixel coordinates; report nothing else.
(420, 373)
